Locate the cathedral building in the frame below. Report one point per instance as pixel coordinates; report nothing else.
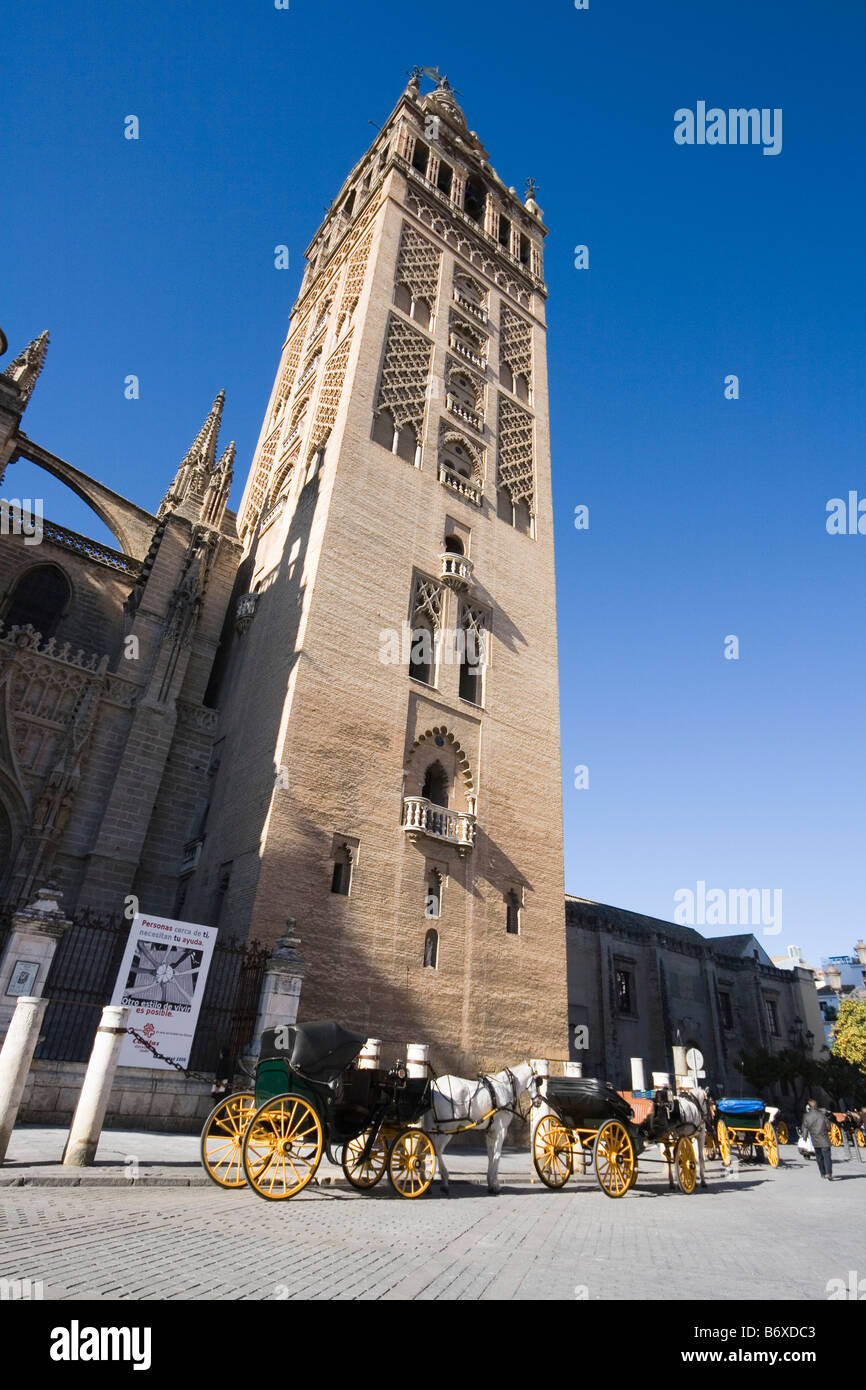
(341, 705)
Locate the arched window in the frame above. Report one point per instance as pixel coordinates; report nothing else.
(341, 877)
(40, 598)
(384, 430)
(433, 901)
(421, 313)
(473, 198)
(435, 786)
(512, 913)
(421, 651)
(431, 949)
(473, 637)
(459, 458)
(463, 392)
(407, 444)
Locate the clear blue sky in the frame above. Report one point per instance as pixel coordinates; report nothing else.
(707, 516)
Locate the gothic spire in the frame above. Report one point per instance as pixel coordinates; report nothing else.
(202, 451)
(27, 366)
(199, 462)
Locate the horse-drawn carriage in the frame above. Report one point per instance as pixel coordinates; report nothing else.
(590, 1122)
(746, 1125)
(311, 1097)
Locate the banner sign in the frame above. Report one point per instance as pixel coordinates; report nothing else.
(162, 978)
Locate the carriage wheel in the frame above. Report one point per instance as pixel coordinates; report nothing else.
(771, 1146)
(551, 1152)
(861, 1139)
(745, 1149)
(782, 1132)
(282, 1147)
(724, 1142)
(710, 1145)
(411, 1163)
(222, 1139)
(614, 1159)
(362, 1172)
(835, 1135)
(686, 1165)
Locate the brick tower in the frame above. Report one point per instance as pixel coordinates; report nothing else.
(387, 765)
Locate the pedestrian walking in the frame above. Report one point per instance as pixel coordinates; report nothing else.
(816, 1126)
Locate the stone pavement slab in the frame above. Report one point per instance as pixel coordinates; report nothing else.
(761, 1234)
(148, 1159)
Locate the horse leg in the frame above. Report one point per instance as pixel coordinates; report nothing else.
(700, 1143)
(495, 1139)
(440, 1142)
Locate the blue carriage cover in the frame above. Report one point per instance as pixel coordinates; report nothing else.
(728, 1106)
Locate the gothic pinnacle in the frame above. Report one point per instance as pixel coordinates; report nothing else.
(27, 366)
(202, 451)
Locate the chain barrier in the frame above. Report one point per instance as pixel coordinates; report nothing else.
(186, 1070)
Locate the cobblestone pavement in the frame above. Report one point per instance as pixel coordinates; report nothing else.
(760, 1234)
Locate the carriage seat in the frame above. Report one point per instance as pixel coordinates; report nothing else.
(319, 1051)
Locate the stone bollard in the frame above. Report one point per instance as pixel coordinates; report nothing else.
(15, 1058)
(86, 1126)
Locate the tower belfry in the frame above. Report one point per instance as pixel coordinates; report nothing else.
(389, 760)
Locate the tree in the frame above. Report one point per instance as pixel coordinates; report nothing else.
(849, 1034)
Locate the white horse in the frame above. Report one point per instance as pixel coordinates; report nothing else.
(486, 1104)
(689, 1115)
(684, 1115)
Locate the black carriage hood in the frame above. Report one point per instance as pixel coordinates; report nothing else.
(318, 1050)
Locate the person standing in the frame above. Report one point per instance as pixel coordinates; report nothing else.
(817, 1127)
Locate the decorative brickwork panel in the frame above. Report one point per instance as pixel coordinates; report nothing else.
(516, 471)
(427, 599)
(332, 388)
(405, 373)
(516, 344)
(418, 265)
(467, 246)
(355, 273)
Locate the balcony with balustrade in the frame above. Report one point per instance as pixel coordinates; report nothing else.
(424, 818)
(456, 570)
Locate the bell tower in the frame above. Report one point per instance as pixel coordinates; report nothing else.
(388, 760)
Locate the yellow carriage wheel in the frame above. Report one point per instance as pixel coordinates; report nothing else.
(551, 1152)
(282, 1147)
(782, 1132)
(724, 1142)
(363, 1172)
(411, 1163)
(835, 1135)
(222, 1140)
(614, 1159)
(771, 1147)
(687, 1166)
(861, 1139)
(710, 1145)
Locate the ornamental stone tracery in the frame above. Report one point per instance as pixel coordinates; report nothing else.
(329, 396)
(405, 373)
(466, 246)
(427, 600)
(515, 344)
(418, 266)
(516, 465)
